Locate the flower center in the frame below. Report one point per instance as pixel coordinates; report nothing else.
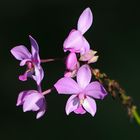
(30, 65)
(81, 98)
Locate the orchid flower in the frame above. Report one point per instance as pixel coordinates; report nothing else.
(32, 100)
(76, 42)
(32, 60)
(72, 65)
(82, 92)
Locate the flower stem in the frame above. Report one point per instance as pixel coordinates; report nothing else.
(50, 60)
(39, 88)
(47, 91)
(135, 114)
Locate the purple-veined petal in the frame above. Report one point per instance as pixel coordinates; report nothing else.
(72, 104)
(30, 101)
(42, 104)
(95, 90)
(80, 110)
(67, 86)
(21, 52)
(71, 61)
(73, 42)
(83, 76)
(23, 62)
(85, 20)
(89, 105)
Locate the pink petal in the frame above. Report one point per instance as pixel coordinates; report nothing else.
(95, 90)
(30, 102)
(21, 52)
(85, 48)
(71, 61)
(72, 104)
(40, 114)
(90, 105)
(73, 42)
(23, 62)
(34, 45)
(21, 97)
(83, 76)
(39, 74)
(67, 86)
(85, 20)
(80, 110)
(42, 109)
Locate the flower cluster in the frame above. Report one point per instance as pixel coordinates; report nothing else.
(83, 92)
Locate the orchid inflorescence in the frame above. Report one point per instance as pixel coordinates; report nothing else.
(76, 80)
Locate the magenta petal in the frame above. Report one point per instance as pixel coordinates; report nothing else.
(31, 100)
(89, 105)
(85, 20)
(21, 52)
(80, 110)
(67, 86)
(23, 77)
(73, 42)
(83, 76)
(71, 61)
(72, 104)
(95, 90)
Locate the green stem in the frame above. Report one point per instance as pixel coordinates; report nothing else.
(135, 114)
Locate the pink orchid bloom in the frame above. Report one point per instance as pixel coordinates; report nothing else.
(32, 60)
(76, 42)
(72, 65)
(32, 100)
(82, 92)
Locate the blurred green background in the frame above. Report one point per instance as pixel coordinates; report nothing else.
(114, 34)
